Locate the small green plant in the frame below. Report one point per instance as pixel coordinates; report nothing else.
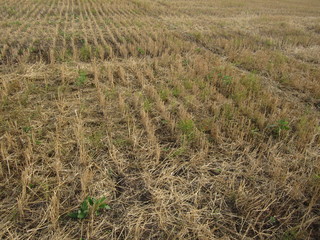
(228, 111)
(164, 95)
(225, 79)
(255, 131)
(188, 84)
(216, 171)
(68, 55)
(89, 205)
(210, 75)
(27, 129)
(141, 51)
(82, 78)
(16, 23)
(33, 50)
(197, 36)
(269, 43)
(198, 50)
(85, 53)
(273, 220)
(20, 52)
(108, 21)
(147, 105)
(178, 152)
(122, 142)
(251, 82)
(96, 52)
(291, 234)
(95, 138)
(317, 176)
(279, 127)
(316, 179)
(176, 92)
(111, 93)
(185, 62)
(187, 127)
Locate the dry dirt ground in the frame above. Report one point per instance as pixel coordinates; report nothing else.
(194, 119)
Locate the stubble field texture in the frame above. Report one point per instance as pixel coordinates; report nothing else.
(193, 119)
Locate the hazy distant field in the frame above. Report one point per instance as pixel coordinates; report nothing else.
(194, 119)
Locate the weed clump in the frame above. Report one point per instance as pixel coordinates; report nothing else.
(279, 127)
(90, 205)
(82, 78)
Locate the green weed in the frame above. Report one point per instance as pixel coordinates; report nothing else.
(188, 84)
(198, 50)
(273, 220)
(111, 94)
(224, 78)
(27, 129)
(227, 111)
(141, 51)
(82, 78)
(176, 92)
(279, 127)
(197, 36)
(89, 205)
(187, 127)
(147, 105)
(178, 152)
(291, 234)
(84, 53)
(122, 142)
(210, 75)
(251, 82)
(164, 95)
(95, 139)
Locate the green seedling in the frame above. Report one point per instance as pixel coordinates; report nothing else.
(197, 36)
(255, 131)
(141, 51)
(147, 105)
(210, 75)
(273, 220)
(185, 62)
(89, 205)
(187, 127)
(82, 78)
(85, 53)
(279, 127)
(27, 129)
(176, 92)
(33, 50)
(225, 79)
(291, 234)
(316, 179)
(188, 84)
(122, 142)
(111, 93)
(164, 95)
(317, 176)
(178, 152)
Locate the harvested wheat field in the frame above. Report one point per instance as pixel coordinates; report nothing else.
(158, 119)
